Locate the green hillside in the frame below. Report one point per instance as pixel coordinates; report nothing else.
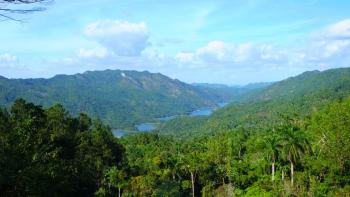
(298, 96)
(295, 96)
(119, 98)
(311, 82)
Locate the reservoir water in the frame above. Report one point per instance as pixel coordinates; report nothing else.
(147, 127)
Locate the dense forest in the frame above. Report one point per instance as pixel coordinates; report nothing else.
(50, 152)
(89, 129)
(119, 98)
(293, 149)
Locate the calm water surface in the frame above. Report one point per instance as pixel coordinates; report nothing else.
(147, 127)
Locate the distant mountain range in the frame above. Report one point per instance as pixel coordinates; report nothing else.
(232, 93)
(120, 98)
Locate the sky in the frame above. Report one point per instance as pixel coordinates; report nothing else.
(224, 41)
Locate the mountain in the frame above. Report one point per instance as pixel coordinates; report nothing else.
(307, 83)
(120, 98)
(295, 96)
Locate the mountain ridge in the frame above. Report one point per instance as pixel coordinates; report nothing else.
(121, 98)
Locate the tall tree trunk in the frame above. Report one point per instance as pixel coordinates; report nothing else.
(118, 191)
(292, 173)
(192, 179)
(273, 170)
(282, 175)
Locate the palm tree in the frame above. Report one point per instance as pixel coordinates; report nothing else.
(116, 178)
(272, 149)
(295, 145)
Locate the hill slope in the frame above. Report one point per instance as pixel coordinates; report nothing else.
(304, 84)
(300, 95)
(120, 98)
(297, 97)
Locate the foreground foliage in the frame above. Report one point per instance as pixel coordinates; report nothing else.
(48, 152)
(296, 157)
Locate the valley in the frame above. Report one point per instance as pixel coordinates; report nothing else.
(211, 146)
(135, 98)
(148, 127)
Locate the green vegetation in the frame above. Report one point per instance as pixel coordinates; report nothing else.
(301, 95)
(120, 98)
(292, 144)
(292, 158)
(49, 153)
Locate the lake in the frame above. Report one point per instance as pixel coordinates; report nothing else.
(202, 112)
(147, 127)
(144, 127)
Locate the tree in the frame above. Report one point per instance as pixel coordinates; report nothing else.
(295, 145)
(8, 8)
(47, 151)
(191, 162)
(272, 147)
(116, 178)
(330, 129)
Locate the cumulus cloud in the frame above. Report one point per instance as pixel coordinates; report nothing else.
(331, 45)
(121, 37)
(216, 61)
(214, 51)
(326, 48)
(219, 52)
(338, 31)
(124, 45)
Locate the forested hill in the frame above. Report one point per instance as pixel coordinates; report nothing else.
(307, 83)
(296, 96)
(120, 98)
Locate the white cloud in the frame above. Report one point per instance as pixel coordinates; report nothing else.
(92, 53)
(123, 45)
(338, 31)
(331, 45)
(327, 48)
(121, 37)
(214, 51)
(219, 52)
(7, 58)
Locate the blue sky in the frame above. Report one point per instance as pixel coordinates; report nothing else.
(231, 42)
